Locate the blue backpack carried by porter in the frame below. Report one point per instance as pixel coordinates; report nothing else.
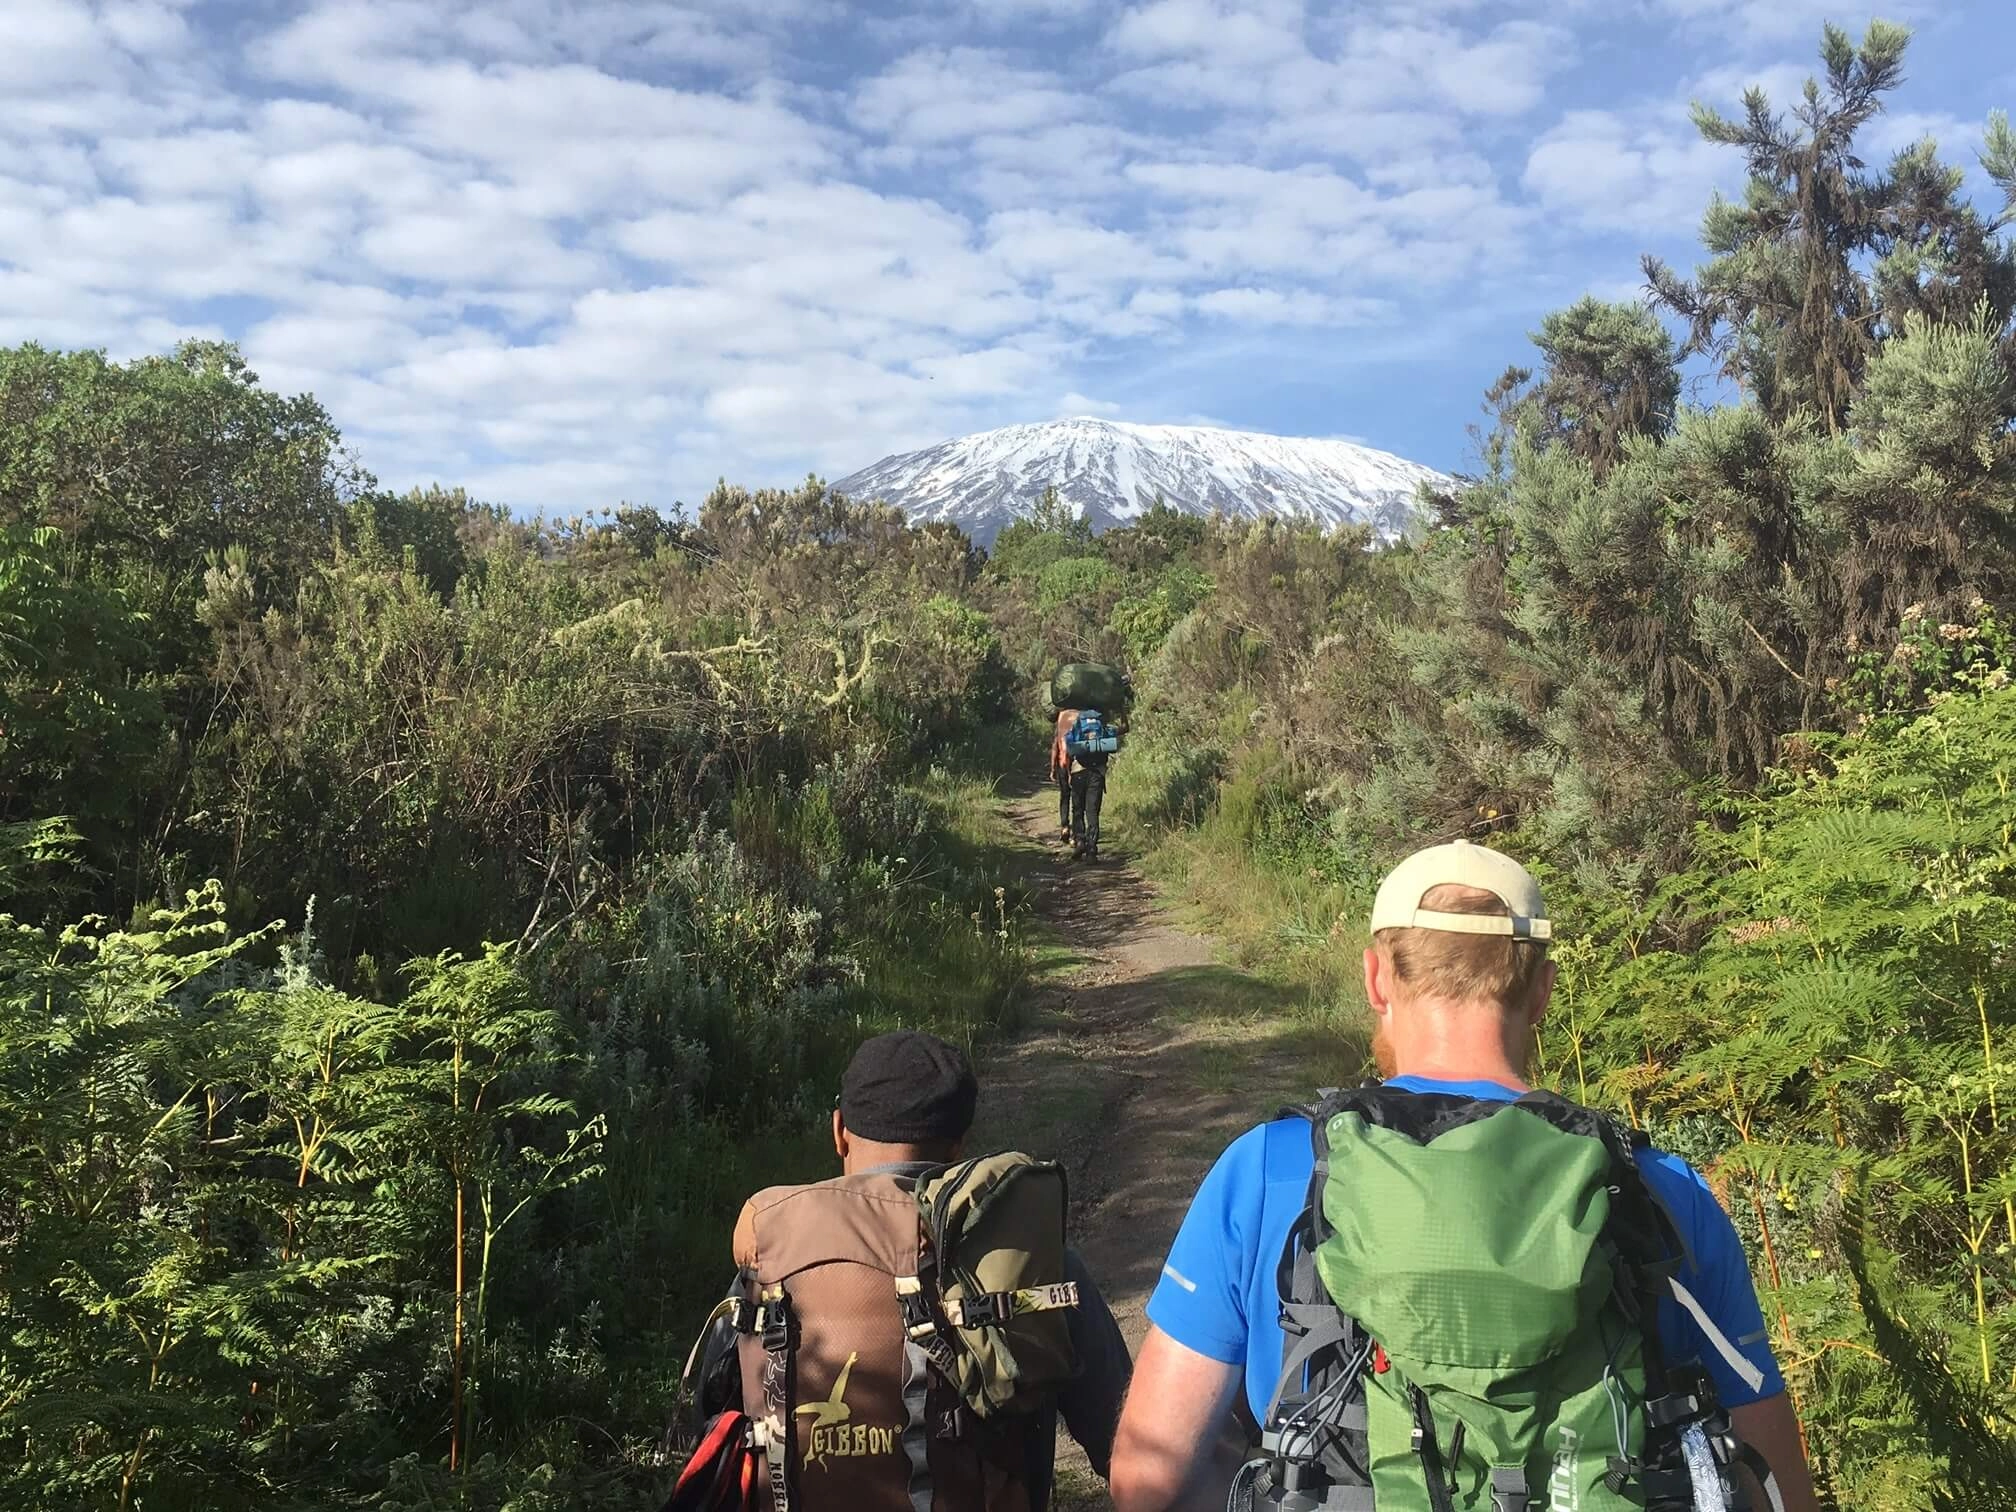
(1091, 735)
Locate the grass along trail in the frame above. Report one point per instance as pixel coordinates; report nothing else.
(1146, 1054)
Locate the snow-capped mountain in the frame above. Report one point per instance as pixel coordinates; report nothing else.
(1111, 472)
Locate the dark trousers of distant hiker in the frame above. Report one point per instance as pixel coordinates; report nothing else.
(1088, 792)
(1064, 799)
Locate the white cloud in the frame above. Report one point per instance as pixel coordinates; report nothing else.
(1074, 404)
(52, 43)
(1612, 172)
(950, 95)
(1237, 33)
(1505, 73)
(1778, 21)
(1313, 82)
(1071, 252)
(1291, 307)
(570, 250)
(1892, 132)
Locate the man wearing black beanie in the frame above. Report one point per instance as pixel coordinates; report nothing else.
(906, 1103)
(904, 1091)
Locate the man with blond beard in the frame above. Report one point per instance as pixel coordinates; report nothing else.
(1458, 981)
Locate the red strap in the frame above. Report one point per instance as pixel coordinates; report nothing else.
(1380, 1364)
(721, 1467)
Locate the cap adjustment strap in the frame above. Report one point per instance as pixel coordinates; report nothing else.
(1515, 925)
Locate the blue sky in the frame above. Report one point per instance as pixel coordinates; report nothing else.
(570, 252)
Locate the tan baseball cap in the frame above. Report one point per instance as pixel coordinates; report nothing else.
(1398, 905)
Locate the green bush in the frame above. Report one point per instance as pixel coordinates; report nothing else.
(1074, 582)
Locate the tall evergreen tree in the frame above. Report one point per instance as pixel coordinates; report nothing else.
(1782, 305)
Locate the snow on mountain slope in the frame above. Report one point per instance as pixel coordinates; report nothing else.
(1111, 472)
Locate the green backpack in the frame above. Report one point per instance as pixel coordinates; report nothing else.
(1469, 1306)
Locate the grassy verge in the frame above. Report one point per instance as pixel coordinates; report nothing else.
(1226, 840)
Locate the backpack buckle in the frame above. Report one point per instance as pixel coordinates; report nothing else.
(1620, 1474)
(1690, 1398)
(983, 1311)
(775, 1320)
(917, 1319)
(1674, 1408)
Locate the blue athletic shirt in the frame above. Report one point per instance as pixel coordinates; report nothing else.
(1217, 1294)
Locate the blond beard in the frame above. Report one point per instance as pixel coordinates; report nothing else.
(1383, 1054)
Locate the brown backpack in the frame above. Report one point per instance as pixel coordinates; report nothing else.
(895, 1335)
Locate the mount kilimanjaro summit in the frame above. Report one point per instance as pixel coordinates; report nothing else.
(1111, 472)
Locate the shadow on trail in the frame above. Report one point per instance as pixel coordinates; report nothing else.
(1094, 906)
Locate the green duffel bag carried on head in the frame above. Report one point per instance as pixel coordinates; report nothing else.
(1092, 685)
(1469, 1315)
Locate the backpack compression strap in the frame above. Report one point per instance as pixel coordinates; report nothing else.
(992, 1309)
(775, 1322)
(1309, 1430)
(922, 1345)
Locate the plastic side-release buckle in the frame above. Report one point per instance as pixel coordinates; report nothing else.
(1619, 1474)
(775, 1321)
(984, 1311)
(1675, 1408)
(1508, 1489)
(917, 1319)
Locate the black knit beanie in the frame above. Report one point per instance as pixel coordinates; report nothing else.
(908, 1088)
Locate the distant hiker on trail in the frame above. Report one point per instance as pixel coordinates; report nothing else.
(1092, 700)
(905, 1336)
(1495, 1300)
(1088, 793)
(1060, 770)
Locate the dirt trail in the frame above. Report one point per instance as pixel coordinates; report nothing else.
(1147, 1055)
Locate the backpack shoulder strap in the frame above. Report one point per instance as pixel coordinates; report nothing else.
(1316, 1414)
(1295, 1283)
(1310, 1322)
(776, 1324)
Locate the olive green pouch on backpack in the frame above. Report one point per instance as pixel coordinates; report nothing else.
(995, 1227)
